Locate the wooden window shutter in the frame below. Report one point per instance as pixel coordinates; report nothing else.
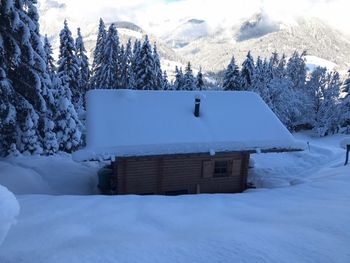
(236, 167)
(208, 169)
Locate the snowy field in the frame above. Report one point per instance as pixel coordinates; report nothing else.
(300, 212)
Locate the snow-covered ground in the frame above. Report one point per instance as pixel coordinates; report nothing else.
(54, 175)
(304, 217)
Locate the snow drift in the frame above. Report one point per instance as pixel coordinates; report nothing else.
(9, 209)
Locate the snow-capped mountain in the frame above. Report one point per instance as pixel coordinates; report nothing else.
(263, 37)
(211, 47)
(186, 33)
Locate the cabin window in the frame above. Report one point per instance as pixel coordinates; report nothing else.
(220, 169)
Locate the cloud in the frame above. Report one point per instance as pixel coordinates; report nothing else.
(159, 16)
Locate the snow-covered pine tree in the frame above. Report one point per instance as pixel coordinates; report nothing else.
(279, 70)
(261, 79)
(29, 76)
(8, 110)
(49, 60)
(51, 144)
(345, 103)
(145, 76)
(324, 87)
(282, 101)
(330, 111)
(83, 70)
(247, 72)
(101, 37)
(316, 86)
(106, 71)
(68, 127)
(232, 76)
(157, 70)
(128, 71)
(135, 62)
(46, 124)
(166, 85)
(179, 79)
(296, 70)
(199, 80)
(346, 85)
(68, 63)
(28, 141)
(127, 75)
(274, 60)
(121, 67)
(189, 82)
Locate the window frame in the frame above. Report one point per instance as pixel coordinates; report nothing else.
(221, 168)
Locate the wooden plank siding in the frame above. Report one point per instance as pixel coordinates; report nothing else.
(174, 173)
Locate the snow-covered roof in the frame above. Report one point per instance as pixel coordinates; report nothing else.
(138, 123)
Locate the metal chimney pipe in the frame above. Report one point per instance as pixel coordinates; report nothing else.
(197, 104)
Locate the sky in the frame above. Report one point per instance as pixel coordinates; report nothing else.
(161, 16)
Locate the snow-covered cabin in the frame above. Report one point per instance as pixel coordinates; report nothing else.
(176, 142)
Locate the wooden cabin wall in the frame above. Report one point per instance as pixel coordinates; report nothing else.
(166, 174)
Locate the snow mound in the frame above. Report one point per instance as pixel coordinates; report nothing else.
(22, 180)
(344, 143)
(54, 175)
(9, 210)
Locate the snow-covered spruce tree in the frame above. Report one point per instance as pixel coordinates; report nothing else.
(135, 62)
(316, 86)
(232, 76)
(107, 71)
(49, 60)
(329, 112)
(68, 127)
(247, 72)
(189, 82)
(261, 79)
(101, 37)
(283, 102)
(179, 79)
(325, 114)
(279, 95)
(274, 60)
(296, 70)
(29, 76)
(145, 77)
(166, 84)
(199, 80)
(346, 84)
(8, 111)
(83, 70)
(120, 67)
(50, 140)
(68, 63)
(27, 123)
(157, 70)
(128, 76)
(345, 114)
(345, 103)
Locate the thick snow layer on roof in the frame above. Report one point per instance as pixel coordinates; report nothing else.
(131, 123)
